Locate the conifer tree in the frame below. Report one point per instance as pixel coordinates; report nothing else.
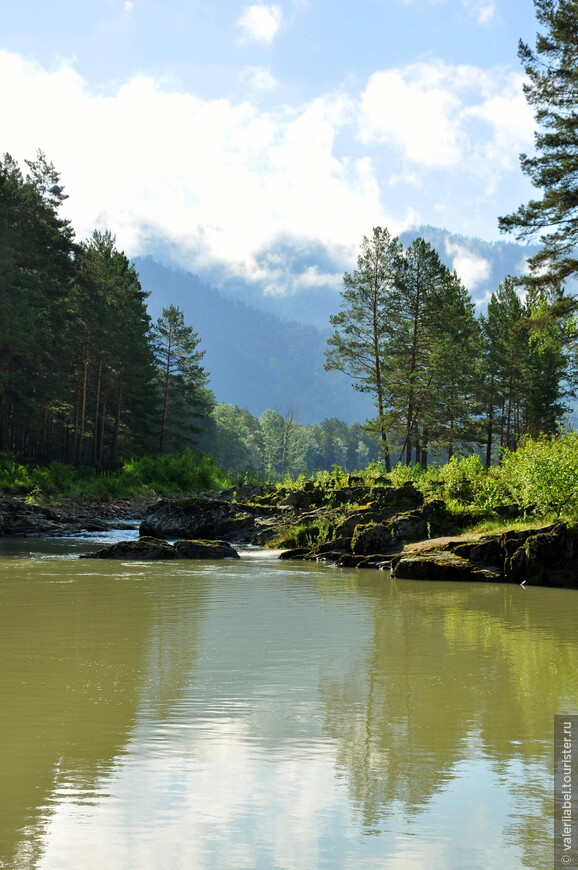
(185, 398)
(552, 90)
(357, 345)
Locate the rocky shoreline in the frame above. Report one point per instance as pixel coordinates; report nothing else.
(356, 525)
(19, 518)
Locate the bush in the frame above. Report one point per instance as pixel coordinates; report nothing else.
(542, 475)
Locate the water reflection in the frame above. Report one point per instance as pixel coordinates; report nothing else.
(454, 674)
(265, 715)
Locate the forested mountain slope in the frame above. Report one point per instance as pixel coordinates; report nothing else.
(255, 359)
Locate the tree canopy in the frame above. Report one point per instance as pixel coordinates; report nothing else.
(552, 91)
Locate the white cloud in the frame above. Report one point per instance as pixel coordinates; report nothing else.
(443, 116)
(224, 182)
(219, 180)
(258, 78)
(471, 268)
(483, 10)
(128, 5)
(261, 22)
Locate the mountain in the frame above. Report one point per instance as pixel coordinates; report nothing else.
(300, 279)
(256, 359)
(265, 349)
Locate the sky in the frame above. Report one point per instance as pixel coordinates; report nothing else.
(249, 136)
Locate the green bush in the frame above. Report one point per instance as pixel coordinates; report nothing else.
(542, 475)
(463, 478)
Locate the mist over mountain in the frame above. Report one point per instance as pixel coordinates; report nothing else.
(265, 339)
(300, 279)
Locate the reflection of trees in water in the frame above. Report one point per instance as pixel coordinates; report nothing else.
(77, 658)
(449, 669)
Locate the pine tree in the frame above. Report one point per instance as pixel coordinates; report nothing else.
(113, 361)
(357, 346)
(528, 369)
(552, 90)
(182, 380)
(36, 269)
(430, 354)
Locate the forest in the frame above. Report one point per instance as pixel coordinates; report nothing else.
(86, 377)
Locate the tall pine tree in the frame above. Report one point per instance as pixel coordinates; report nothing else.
(552, 90)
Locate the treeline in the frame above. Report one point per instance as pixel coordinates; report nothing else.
(275, 445)
(440, 377)
(85, 378)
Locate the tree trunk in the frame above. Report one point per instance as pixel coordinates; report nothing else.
(490, 425)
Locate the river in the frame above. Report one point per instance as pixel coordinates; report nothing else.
(273, 716)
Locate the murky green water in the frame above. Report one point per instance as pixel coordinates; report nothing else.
(262, 715)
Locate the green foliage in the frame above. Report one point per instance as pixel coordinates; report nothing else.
(190, 471)
(552, 90)
(542, 476)
(462, 478)
(279, 448)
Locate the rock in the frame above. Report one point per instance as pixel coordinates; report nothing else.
(348, 560)
(376, 561)
(295, 553)
(486, 551)
(336, 545)
(440, 565)
(357, 517)
(411, 526)
(371, 539)
(204, 518)
(150, 548)
(145, 548)
(329, 556)
(205, 550)
(18, 519)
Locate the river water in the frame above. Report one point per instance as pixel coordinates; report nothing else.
(273, 716)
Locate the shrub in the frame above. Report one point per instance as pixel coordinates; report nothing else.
(542, 475)
(463, 478)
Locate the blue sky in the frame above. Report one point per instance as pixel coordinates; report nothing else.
(236, 130)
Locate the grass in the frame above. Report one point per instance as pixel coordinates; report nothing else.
(169, 474)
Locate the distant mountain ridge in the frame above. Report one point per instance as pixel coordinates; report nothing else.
(293, 267)
(266, 350)
(256, 359)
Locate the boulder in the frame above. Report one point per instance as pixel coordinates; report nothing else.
(205, 550)
(18, 519)
(357, 517)
(410, 526)
(295, 553)
(370, 539)
(440, 565)
(150, 548)
(205, 518)
(147, 548)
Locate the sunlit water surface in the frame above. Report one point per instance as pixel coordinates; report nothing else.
(262, 715)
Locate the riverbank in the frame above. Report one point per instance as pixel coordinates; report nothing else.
(379, 527)
(23, 518)
(355, 525)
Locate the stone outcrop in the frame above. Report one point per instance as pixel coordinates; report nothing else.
(443, 565)
(535, 557)
(155, 549)
(203, 517)
(20, 519)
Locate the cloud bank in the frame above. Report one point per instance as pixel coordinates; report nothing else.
(223, 181)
